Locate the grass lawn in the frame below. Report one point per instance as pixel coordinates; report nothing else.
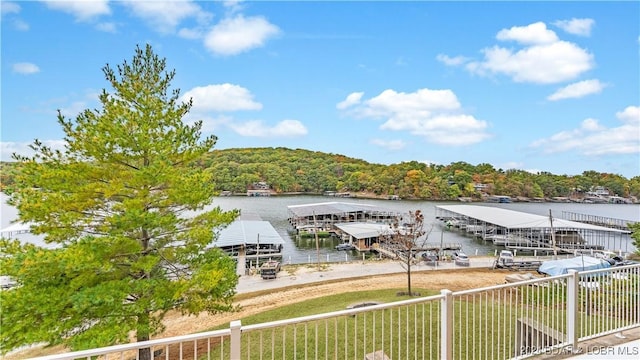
(485, 324)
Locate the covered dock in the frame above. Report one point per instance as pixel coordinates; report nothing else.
(369, 236)
(251, 242)
(324, 215)
(362, 235)
(15, 228)
(533, 233)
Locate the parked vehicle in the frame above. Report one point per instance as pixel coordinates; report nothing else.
(345, 246)
(429, 257)
(270, 269)
(460, 258)
(505, 258)
(506, 261)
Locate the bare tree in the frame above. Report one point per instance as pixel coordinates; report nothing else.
(405, 238)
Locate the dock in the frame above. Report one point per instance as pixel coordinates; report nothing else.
(608, 222)
(534, 233)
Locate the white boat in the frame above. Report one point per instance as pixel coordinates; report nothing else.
(509, 240)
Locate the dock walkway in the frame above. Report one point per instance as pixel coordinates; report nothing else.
(604, 221)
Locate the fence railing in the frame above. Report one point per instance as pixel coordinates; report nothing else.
(506, 321)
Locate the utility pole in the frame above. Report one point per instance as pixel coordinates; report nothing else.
(315, 231)
(553, 237)
(441, 244)
(258, 254)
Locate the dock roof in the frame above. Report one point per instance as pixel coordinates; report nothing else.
(361, 230)
(242, 232)
(511, 219)
(329, 208)
(17, 227)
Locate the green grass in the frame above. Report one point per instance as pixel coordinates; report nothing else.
(412, 331)
(328, 304)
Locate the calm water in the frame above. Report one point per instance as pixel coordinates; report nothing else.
(274, 210)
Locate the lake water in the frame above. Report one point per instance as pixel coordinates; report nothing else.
(274, 210)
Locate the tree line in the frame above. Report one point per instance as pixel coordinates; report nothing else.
(303, 171)
(298, 170)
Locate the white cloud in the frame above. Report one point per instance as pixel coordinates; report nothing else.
(193, 33)
(8, 7)
(209, 123)
(164, 16)
(541, 59)
(543, 64)
(20, 25)
(7, 148)
(630, 115)
(512, 165)
(393, 145)
(109, 27)
(235, 35)
(233, 6)
(351, 100)
(435, 115)
(593, 139)
(221, 98)
(591, 124)
(72, 105)
(73, 109)
(25, 68)
(257, 128)
(536, 33)
(581, 27)
(81, 10)
(577, 90)
(431, 162)
(451, 61)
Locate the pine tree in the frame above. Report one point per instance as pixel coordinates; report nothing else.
(127, 213)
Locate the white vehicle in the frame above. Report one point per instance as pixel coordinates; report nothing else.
(506, 257)
(460, 258)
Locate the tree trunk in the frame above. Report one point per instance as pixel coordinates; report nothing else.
(142, 334)
(409, 275)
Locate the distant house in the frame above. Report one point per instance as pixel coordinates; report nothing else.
(259, 189)
(480, 187)
(258, 192)
(598, 191)
(260, 186)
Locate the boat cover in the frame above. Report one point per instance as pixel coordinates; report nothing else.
(579, 263)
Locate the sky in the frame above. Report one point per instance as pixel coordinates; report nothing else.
(534, 86)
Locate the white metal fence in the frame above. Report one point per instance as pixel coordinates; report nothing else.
(507, 321)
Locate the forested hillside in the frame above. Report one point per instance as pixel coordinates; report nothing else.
(292, 171)
(287, 170)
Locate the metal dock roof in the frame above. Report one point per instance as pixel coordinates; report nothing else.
(511, 219)
(328, 208)
(242, 232)
(361, 230)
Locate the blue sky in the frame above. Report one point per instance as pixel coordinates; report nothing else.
(537, 86)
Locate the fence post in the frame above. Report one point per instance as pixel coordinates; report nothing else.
(446, 325)
(573, 320)
(236, 337)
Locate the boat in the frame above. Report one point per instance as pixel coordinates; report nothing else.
(509, 240)
(502, 199)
